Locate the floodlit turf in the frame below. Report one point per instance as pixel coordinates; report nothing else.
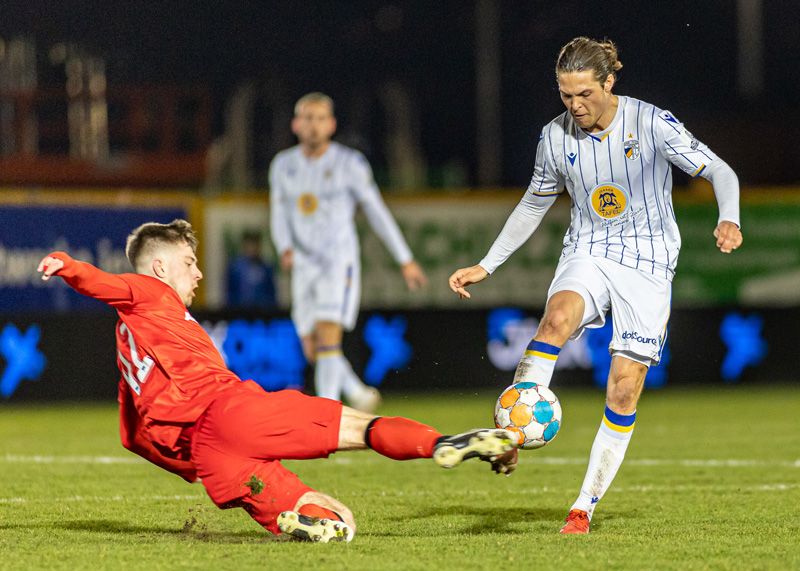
(712, 480)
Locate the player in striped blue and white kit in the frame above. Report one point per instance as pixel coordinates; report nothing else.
(613, 156)
(315, 188)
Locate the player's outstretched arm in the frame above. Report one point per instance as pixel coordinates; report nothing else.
(466, 277)
(86, 279)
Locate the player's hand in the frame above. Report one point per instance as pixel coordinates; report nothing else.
(506, 463)
(466, 276)
(729, 236)
(49, 266)
(414, 276)
(287, 260)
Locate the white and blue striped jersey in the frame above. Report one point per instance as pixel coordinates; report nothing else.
(313, 203)
(620, 183)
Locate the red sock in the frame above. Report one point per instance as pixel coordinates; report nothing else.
(313, 510)
(401, 438)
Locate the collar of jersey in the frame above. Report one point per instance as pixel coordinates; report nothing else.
(322, 159)
(601, 135)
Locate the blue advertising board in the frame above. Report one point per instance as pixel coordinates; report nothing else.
(94, 234)
(400, 351)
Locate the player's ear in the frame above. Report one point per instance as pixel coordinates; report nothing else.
(159, 268)
(609, 83)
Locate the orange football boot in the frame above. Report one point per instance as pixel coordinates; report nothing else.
(577, 522)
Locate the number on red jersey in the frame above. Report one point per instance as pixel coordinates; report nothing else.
(135, 370)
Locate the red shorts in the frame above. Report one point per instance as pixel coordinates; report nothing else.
(238, 442)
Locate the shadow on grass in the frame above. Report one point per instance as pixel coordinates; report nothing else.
(485, 519)
(190, 531)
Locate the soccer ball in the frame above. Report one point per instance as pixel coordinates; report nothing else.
(530, 411)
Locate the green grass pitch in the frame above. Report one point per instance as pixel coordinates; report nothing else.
(711, 481)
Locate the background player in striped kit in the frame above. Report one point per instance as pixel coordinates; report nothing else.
(613, 154)
(315, 188)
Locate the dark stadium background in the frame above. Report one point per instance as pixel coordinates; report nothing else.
(680, 54)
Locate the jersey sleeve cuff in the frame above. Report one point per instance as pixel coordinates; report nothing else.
(732, 221)
(486, 265)
(69, 264)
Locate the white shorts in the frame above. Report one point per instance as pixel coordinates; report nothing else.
(325, 294)
(639, 302)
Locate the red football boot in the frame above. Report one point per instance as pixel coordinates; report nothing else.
(577, 522)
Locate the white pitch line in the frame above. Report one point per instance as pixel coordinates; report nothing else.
(657, 462)
(775, 487)
(526, 458)
(646, 489)
(103, 499)
(48, 459)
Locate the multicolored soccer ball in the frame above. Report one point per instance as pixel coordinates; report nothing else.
(530, 411)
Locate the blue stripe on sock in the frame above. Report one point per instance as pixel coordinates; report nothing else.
(620, 419)
(544, 348)
(323, 348)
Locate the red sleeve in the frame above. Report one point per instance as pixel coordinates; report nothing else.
(94, 282)
(132, 438)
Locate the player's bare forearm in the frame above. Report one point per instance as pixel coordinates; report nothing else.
(466, 277)
(729, 236)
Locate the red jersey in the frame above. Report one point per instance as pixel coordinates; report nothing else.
(167, 360)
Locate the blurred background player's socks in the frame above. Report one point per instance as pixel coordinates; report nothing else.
(327, 373)
(606, 457)
(352, 386)
(538, 363)
(401, 438)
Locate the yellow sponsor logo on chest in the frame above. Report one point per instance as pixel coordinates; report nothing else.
(609, 201)
(307, 203)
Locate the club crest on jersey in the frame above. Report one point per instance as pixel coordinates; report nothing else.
(307, 203)
(609, 201)
(571, 157)
(631, 147)
(690, 140)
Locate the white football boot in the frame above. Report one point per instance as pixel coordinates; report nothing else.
(306, 528)
(488, 444)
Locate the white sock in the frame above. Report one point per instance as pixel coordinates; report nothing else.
(352, 386)
(606, 457)
(538, 363)
(327, 373)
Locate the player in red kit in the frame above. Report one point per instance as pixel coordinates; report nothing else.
(184, 410)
